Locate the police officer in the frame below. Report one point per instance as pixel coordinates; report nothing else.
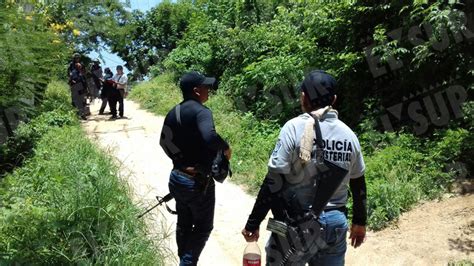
(107, 87)
(76, 58)
(97, 77)
(78, 85)
(189, 138)
(342, 148)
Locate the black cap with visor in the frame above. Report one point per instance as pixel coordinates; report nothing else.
(194, 79)
(320, 88)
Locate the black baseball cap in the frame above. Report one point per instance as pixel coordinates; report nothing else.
(194, 79)
(319, 87)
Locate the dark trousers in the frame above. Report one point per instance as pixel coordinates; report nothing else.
(115, 98)
(104, 104)
(195, 216)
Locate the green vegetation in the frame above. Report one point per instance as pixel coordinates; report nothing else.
(461, 263)
(158, 95)
(29, 59)
(66, 204)
(55, 111)
(60, 199)
(403, 170)
(260, 50)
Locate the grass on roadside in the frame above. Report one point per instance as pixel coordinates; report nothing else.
(66, 204)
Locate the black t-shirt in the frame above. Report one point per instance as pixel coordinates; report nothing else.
(194, 142)
(107, 87)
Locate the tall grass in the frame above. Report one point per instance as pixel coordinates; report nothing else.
(66, 205)
(158, 95)
(251, 140)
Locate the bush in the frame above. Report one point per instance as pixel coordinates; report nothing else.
(251, 140)
(57, 96)
(55, 111)
(403, 170)
(29, 57)
(66, 206)
(158, 95)
(21, 145)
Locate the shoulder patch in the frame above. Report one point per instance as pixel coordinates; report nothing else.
(277, 147)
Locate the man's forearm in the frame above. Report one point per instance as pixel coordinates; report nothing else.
(261, 207)
(359, 198)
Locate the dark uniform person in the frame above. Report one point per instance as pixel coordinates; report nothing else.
(107, 87)
(78, 87)
(293, 155)
(76, 58)
(97, 77)
(189, 138)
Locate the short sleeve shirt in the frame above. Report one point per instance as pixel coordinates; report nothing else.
(341, 147)
(122, 79)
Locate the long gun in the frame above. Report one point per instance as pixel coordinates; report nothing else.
(161, 200)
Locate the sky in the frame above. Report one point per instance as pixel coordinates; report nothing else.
(112, 60)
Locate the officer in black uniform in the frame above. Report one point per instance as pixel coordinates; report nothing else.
(189, 138)
(107, 88)
(97, 77)
(76, 58)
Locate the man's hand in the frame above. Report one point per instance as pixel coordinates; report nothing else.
(357, 235)
(228, 153)
(250, 236)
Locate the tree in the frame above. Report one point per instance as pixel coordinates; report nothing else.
(30, 56)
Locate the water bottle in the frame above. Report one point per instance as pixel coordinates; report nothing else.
(252, 255)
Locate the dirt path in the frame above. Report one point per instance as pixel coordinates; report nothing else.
(435, 233)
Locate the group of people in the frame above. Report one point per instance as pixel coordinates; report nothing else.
(314, 138)
(112, 89)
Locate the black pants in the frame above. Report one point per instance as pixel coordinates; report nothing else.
(195, 216)
(104, 99)
(115, 97)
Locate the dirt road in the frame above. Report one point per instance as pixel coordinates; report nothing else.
(433, 234)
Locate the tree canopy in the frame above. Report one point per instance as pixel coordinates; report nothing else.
(380, 51)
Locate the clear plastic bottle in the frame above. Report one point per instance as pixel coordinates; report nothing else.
(252, 255)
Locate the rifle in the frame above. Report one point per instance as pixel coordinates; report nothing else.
(161, 200)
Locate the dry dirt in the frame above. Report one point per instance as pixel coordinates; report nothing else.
(434, 233)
